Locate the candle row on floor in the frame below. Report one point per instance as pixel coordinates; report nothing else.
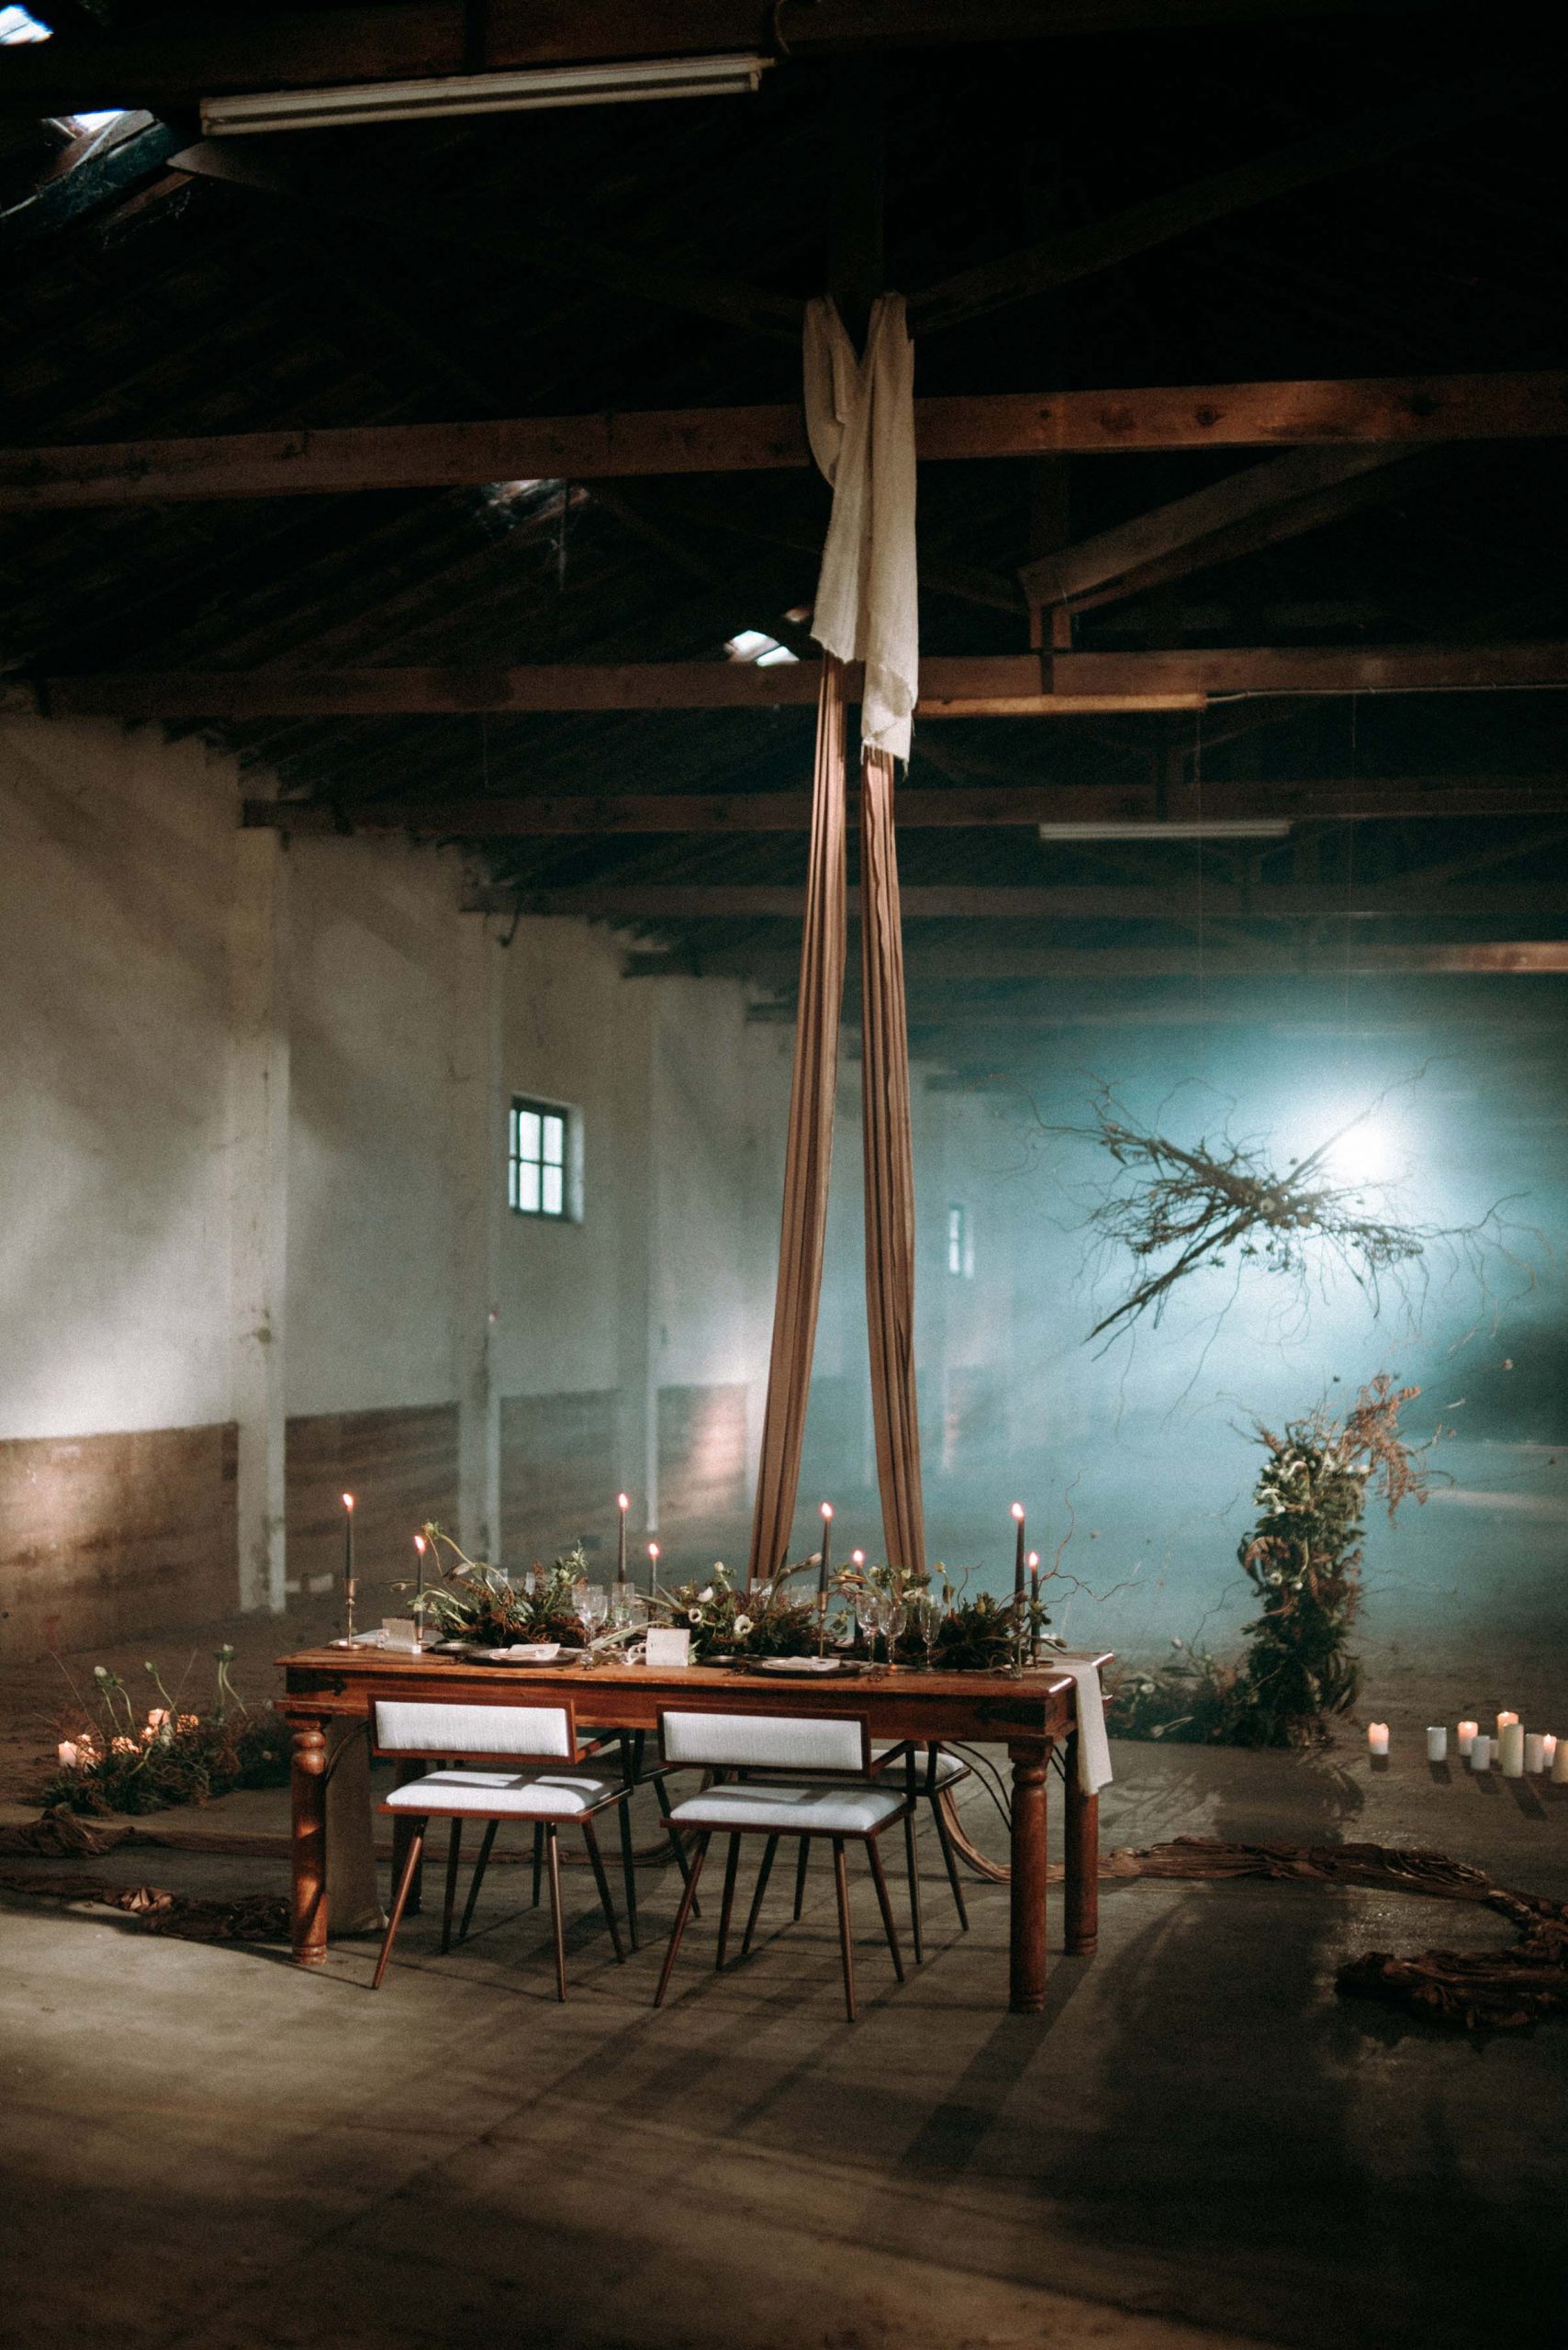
(1515, 1749)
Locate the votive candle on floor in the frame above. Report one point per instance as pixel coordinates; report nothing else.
(1560, 1764)
(1534, 1751)
(1547, 1750)
(67, 1754)
(1377, 1738)
(1480, 1752)
(1437, 1743)
(1467, 1736)
(1511, 1749)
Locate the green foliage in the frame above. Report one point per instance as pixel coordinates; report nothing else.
(472, 1601)
(1191, 1700)
(768, 1621)
(126, 1765)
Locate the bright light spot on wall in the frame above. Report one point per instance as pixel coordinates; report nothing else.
(1368, 1154)
(762, 652)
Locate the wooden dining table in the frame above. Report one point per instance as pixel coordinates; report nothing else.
(1032, 1714)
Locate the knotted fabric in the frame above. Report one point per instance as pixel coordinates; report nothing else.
(860, 418)
(860, 421)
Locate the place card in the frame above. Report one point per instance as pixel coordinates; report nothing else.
(667, 1648)
(400, 1632)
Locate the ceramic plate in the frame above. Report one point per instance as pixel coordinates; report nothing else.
(800, 1668)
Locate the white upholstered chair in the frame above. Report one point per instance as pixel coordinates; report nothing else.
(529, 1769)
(926, 1775)
(778, 1776)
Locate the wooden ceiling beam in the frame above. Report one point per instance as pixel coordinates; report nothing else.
(1399, 411)
(540, 816)
(678, 902)
(950, 960)
(1076, 253)
(188, 54)
(982, 685)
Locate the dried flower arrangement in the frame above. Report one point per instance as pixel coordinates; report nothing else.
(766, 1620)
(1303, 1558)
(472, 1601)
(128, 1765)
(958, 1634)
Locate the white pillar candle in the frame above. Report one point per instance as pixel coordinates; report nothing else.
(1480, 1752)
(1377, 1738)
(1511, 1749)
(1467, 1739)
(1547, 1750)
(1534, 1751)
(1438, 1745)
(67, 1754)
(1560, 1764)
(1504, 1721)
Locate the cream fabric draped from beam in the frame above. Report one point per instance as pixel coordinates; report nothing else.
(860, 420)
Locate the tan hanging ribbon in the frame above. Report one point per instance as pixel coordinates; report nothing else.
(807, 1156)
(889, 1172)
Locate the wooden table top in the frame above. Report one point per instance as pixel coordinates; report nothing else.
(907, 1702)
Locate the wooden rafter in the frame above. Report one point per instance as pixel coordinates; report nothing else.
(542, 816)
(676, 902)
(1402, 411)
(1001, 686)
(982, 959)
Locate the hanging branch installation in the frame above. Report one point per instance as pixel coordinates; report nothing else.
(1205, 1199)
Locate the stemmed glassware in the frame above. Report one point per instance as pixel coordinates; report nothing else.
(889, 1622)
(925, 1614)
(868, 1605)
(591, 1601)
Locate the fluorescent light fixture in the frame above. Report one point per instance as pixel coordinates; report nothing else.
(460, 94)
(1239, 828)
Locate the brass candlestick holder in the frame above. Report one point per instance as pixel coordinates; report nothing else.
(351, 1589)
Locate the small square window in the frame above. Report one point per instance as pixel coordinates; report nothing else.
(536, 1160)
(960, 1243)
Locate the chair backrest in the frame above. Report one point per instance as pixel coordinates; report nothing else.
(411, 1726)
(768, 1741)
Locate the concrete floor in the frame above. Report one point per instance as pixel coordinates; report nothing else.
(1201, 2142)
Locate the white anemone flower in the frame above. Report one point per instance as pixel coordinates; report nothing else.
(743, 1626)
(705, 1598)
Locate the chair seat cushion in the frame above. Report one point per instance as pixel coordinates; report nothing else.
(801, 1808)
(951, 1769)
(499, 1795)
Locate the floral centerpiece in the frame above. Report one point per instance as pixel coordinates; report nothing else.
(941, 1626)
(122, 1763)
(473, 1601)
(724, 1621)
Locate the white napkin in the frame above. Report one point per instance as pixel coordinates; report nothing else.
(1094, 1746)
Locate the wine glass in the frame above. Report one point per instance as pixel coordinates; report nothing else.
(891, 1622)
(926, 1612)
(591, 1601)
(868, 1605)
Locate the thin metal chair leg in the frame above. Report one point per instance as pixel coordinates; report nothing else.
(662, 1793)
(731, 1865)
(628, 1860)
(454, 1849)
(912, 1858)
(802, 1865)
(405, 1884)
(554, 1856)
(946, 1840)
(480, 1865)
(591, 1840)
(688, 1903)
(762, 1875)
(885, 1905)
(538, 1860)
(841, 1882)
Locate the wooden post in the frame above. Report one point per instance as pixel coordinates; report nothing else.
(258, 1198)
(1028, 1887)
(1081, 1891)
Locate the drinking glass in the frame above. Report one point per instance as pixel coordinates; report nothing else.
(926, 1619)
(891, 1622)
(868, 1605)
(592, 1602)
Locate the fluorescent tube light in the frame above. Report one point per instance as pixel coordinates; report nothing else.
(460, 94)
(1239, 828)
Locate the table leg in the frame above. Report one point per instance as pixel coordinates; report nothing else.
(1028, 1887)
(309, 1848)
(1081, 1891)
(409, 1769)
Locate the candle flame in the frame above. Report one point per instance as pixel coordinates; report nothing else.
(827, 1510)
(653, 1550)
(1034, 1557)
(622, 1501)
(857, 1558)
(420, 1544)
(348, 1501)
(1018, 1512)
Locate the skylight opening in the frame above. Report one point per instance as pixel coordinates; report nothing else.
(16, 25)
(750, 645)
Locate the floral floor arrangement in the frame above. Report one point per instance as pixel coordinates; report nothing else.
(121, 1764)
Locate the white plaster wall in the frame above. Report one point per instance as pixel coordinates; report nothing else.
(116, 853)
(373, 1172)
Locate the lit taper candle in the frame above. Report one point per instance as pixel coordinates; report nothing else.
(1018, 1551)
(418, 1568)
(622, 1503)
(1034, 1603)
(653, 1570)
(348, 1564)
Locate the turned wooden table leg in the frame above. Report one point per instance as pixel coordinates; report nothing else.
(409, 1769)
(309, 1848)
(1028, 1888)
(1081, 1901)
